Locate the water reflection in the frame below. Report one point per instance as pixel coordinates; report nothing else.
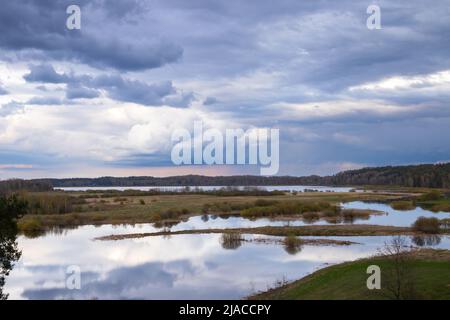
(177, 267)
(292, 245)
(231, 241)
(200, 266)
(297, 188)
(210, 221)
(426, 240)
(393, 217)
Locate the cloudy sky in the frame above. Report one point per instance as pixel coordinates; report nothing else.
(105, 99)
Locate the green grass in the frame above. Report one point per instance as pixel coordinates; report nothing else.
(347, 281)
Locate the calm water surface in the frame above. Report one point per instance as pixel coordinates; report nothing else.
(389, 217)
(211, 188)
(183, 266)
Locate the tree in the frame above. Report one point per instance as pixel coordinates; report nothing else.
(398, 278)
(11, 208)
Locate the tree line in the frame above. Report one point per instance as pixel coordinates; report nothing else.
(425, 175)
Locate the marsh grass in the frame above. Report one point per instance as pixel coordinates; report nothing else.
(403, 205)
(80, 208)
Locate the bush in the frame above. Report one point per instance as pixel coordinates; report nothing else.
(292, 244)
(206, 207)
(30, 224)
(171, 214)
(311, 216)
(427, 225)
(51, 203)
(291, 208)
(431, 196)
(258, 212)
(402, 205)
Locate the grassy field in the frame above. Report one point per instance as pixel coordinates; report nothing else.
(118, 209)
(430, 273)
(71, 209)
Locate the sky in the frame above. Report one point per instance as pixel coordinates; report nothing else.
(105, 99)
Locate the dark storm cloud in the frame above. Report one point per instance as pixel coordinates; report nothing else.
(243, 57)
(324, 46)
(45, 73)
(75, 91)
(38, 29)
(116, 86)
(135, 91)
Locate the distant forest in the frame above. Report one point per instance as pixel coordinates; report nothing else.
(426, 175)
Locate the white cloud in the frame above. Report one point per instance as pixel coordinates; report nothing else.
(337, 108)
(437, 79)
(100, 133)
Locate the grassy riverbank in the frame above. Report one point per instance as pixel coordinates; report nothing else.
(431, 272)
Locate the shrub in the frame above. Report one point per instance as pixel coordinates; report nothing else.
(171, 214)
(431, 196)
(290, 208)
(30, 224)
(402, 205)
(427, 225)
(311, 216)
(206, 207)
(51, 203)
(258, 212)
(292, 244)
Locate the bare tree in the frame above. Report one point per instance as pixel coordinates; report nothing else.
(398, 278)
